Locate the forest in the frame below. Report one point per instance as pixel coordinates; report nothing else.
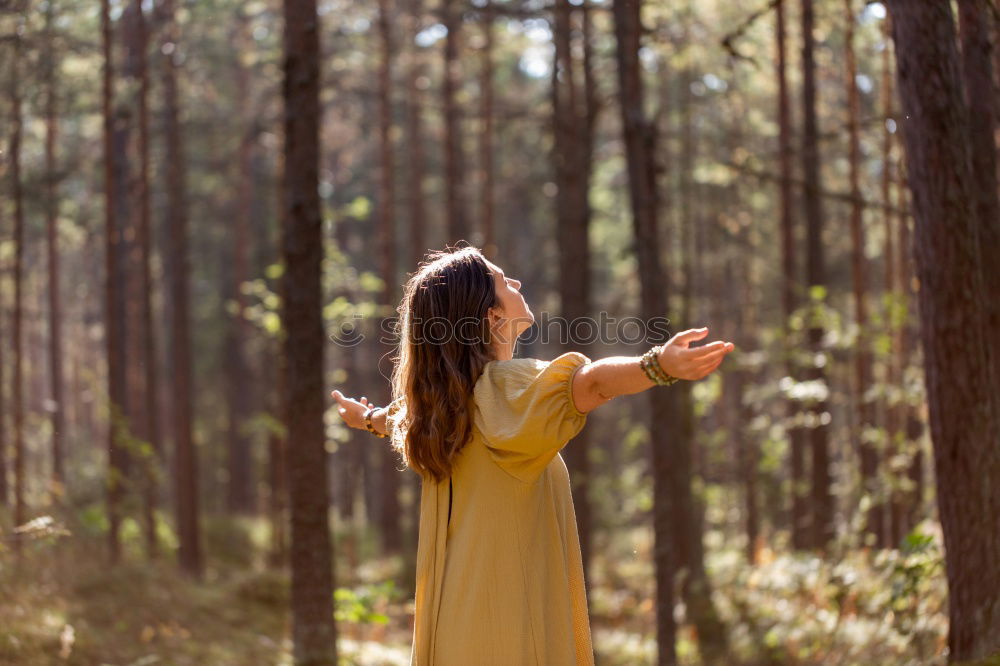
(208, 211)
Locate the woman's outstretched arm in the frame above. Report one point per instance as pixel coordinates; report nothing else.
(353, 412)
(597, 383)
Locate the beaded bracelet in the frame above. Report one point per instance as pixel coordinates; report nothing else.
(651, 373)
(650, 364)
(368, 423)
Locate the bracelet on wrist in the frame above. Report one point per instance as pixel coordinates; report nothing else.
(650, 364)
(369, 426)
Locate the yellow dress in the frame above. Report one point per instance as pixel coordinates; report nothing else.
(501, 583)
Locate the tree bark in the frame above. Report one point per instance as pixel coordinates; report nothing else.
(790, 289)
(822, 499)
(487, 216)
(859, 277)
(51, 226)
(4, 452)
(639, 151)
(17, 194)
(571, 172)
(894, 363)
(961, 392)
(240, 496)
(977, 75)
(186, 463)
(389, 520)
(112, 324)
(415, 140)
(313, 630)
(457, 223)
(140, 357)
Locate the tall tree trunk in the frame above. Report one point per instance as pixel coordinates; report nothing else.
(348, 457)
(51, 225)
(186, 462)
(961, 391)
(487, 207)
(240, 496)
(392, 536)
(639, 151)
(569, 124)
(859, 278)
(895, 361)
(313, 630)
(17, 395)
(790, 290)
(155, 463)
(140, 354)
(4, 452)
(457, 222)
(112, 324)
(739, 271)
(415, 139)
(977, 75)
(822, 499)
(686, 519)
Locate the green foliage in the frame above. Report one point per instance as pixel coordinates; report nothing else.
(919, 559)
(94, 518)
(364, 604)
(359, 208)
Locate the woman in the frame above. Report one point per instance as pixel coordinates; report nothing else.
(499, 571)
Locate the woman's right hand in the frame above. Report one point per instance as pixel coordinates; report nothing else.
(679, 359)
(350, 410)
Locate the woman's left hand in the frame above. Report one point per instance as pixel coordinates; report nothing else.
(350, 410)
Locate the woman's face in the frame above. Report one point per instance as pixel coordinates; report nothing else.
(513, 317)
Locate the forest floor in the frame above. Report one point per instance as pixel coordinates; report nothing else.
(64, 605)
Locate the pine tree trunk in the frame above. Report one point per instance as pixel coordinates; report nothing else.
(313, 630)
(790, 289)
(51, 225)
(4, 461)
(240, 497)
(639, 153)
(977, 75)
(17, 194)
(112, 328)
(686, 516)
(572, 232)
(894, 363)
(859, 279)
(392, 536)
(822, 499)
(140, 358)
(961, 391)
(415, 141)
(487, 217)
(457, 223)
(186, 463)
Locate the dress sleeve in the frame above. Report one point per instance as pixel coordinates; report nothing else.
(525, 412)
(395, 416)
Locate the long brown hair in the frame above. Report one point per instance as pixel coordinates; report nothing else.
(444, 344)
